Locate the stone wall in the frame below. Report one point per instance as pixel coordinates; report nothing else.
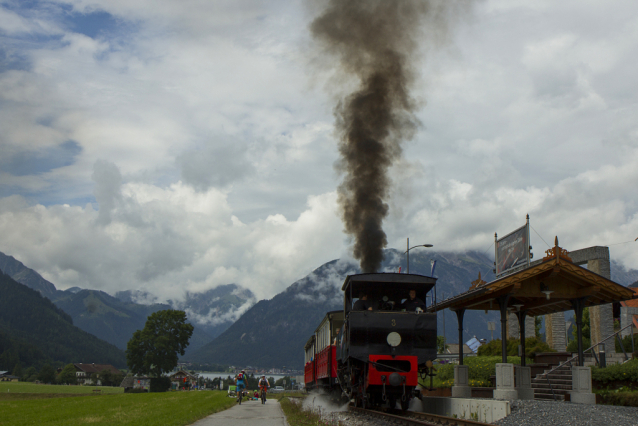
(513, 330)
(601, 318)
(555, 334)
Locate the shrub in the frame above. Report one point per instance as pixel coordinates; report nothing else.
(481, 368)
(619, 398)
(67, 375)
(572, 346)
(533, 345)
(160, 384)
(618, 372)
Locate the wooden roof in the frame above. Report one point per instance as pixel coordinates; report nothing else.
(407, 282)
(529, 288)
(96, 368)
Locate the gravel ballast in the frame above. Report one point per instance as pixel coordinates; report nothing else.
(523, 413)
(544, 413)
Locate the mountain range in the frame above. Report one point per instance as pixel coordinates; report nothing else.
(115, 318)
(34, 331)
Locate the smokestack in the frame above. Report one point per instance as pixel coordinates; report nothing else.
(374, 42)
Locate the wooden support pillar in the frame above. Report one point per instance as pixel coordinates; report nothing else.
(579, 306)
(502, 302)
(521, 325)
(459, 317)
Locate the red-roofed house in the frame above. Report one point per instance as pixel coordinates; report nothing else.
(84, 372)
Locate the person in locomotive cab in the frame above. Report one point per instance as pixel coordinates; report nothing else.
(362, 304)
(412, 303)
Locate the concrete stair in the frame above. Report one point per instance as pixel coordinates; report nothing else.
(561, 383)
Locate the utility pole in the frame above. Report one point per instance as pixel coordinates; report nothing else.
(407, 247)
(443, 297)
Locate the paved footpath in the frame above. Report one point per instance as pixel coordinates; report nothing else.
(249, 413)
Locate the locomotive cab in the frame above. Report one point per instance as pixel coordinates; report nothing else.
(382, 351)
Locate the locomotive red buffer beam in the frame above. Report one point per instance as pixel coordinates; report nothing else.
(393, 371)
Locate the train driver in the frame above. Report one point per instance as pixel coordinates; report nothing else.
(362, 304)
(412, 303)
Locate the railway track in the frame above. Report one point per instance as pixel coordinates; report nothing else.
(412, 418)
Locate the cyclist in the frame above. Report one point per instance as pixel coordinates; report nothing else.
(241, 384)
(263, 385)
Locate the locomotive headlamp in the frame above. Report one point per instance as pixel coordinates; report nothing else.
(394, 339)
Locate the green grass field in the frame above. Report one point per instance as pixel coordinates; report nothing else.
(141, 409)
(26, 387)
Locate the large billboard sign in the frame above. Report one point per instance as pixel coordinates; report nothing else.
(512, 250)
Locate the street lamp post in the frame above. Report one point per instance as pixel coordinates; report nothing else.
(408, 252)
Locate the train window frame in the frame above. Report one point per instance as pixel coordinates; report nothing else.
(395, 286)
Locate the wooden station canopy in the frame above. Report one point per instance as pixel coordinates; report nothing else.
(542, 289)
(553, 285)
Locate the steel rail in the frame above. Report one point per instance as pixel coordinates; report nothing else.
(412, 418)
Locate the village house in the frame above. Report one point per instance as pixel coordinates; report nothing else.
(6, 377)
(183, 379)
(84, 372)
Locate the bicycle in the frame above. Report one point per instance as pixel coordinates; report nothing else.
(240, 393)
(263, 394)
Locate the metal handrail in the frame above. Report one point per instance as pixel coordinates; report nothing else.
(569, 361)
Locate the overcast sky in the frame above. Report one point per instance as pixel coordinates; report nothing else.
(173, 145)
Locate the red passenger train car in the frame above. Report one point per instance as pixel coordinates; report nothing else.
(320, 370)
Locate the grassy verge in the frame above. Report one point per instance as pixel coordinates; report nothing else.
(625, 397)
(292, 394)
(142, 409)
(27, 387)
(297, 416)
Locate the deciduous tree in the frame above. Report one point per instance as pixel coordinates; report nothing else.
(67, 375)
(17, 371)
(106, 377)
(47, 374)
(440, 344)
(154, 349)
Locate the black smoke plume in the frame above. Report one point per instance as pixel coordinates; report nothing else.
(374, 41)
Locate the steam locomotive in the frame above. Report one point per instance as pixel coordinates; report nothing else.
(374, 356)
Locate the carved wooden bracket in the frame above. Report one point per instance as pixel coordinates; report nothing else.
(557, 252)
(478, 282)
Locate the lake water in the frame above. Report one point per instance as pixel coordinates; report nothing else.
(209, 375)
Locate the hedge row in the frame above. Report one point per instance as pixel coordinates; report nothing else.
(481, 368)
(618, 372)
